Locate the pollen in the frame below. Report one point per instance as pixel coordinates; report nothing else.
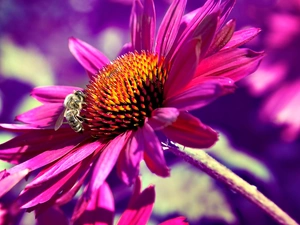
(124, 93)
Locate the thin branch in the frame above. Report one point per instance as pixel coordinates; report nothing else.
(218, 171)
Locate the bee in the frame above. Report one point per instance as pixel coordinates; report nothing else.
(72, 107)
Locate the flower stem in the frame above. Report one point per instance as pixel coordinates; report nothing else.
(218, 171)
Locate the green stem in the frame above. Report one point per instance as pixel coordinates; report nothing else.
(218, 171)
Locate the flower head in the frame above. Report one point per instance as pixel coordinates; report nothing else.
(193, 60)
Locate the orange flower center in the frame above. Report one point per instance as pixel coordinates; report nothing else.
(123, 94)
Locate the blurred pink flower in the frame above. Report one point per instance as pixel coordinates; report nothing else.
(193, 60)
(100, 208)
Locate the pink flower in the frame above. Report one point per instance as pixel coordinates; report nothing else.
(193, 60)
(100, 208)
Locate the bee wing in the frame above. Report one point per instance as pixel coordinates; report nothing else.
(60, 120)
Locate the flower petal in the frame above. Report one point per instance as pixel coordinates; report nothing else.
(169, 27)
(163, 117)
(77, 155)
(183, 68)
(241, 37)
(9, 181)
(106, 161)
(139, 212)
(143, 23)
(200, 95)
(31, 146)
(189, 131)
(89, 57)
(234, 64)
(175, 221)
(222, 38)
(52, 94)
(128, 165)
(153, 153)
(42, 116)
(100, 208)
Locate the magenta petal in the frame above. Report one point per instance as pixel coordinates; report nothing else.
(100, 208)
(76, 156)
(139, 212)
(20, 127)
(226, 7)
(125, 49)
(200, 95)
(9, 181)
(183, 68)
(234, 64)
(175, 221)
(153, 153)
(137, 188)
(169, 27)
(42, 116)
(163, 117)
(52, 94)
(189, 131)
(241, 37)
(222, 38)
(53, 215)
(89, 57)
(28, 145)
(106, 161)
(143, 23)
(128, 165)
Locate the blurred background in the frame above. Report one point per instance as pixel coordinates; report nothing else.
(258, 124)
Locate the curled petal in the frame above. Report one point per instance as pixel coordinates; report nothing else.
(197, 96)
(128, 165)
(241, 37)
(234, 64)
(163, 117)
(89, 57)
(169, 27)
(140, 210)
(189, 131)
(183, 68)
(52, 94)
(153, 153)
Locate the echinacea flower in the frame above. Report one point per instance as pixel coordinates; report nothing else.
(151, 86)
(101, 208)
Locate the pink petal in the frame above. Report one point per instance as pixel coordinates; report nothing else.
(163, 117)
(77, 155)
(52, 94)
(226, 7)
(143, 25)
(128, 165)
(153, 153)
(89, 57)
(10, 181)
(169, 27)
(241, 37)
(137, 188)
(200, 95)
(106, 161)
(183, 68)
(189, 131)
(20, 127)
(175, 221)
(191, 21)
(42, 116)
(43, 196)
(53, 215)
(31, 146)
(139, 212)
(234, 64)
(125, 49)
(222, 38)
(100, 208)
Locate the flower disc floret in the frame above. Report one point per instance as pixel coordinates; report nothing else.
(124, 93)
